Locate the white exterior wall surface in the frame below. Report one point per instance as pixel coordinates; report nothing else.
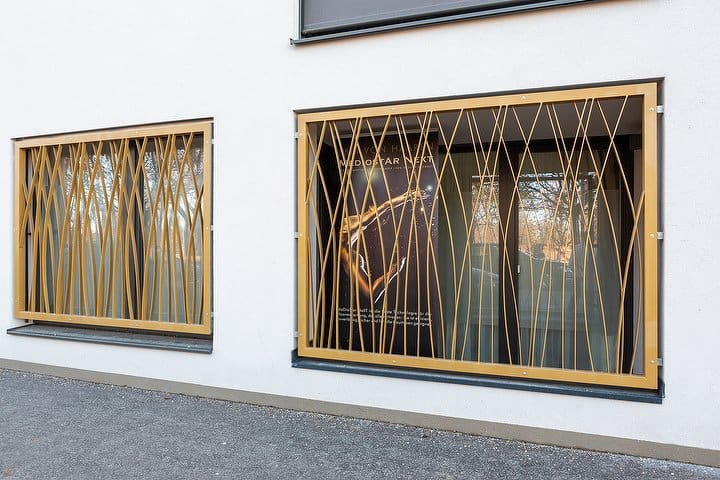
(69, 66)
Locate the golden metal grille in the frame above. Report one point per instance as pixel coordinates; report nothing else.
(112, 228)
(510, 235)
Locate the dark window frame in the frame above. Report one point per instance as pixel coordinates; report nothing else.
(428, 15)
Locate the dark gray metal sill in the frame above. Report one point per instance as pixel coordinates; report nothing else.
(633, 395)
(360, 29)
(115, 337)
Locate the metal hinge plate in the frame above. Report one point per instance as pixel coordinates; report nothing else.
(660, 109)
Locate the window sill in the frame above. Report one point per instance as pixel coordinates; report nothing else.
(114, 337)
(611, 393)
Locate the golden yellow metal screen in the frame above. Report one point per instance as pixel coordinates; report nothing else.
(511, 235)
(113, 228)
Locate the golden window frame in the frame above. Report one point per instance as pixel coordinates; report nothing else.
(31, 155)
(309, 187)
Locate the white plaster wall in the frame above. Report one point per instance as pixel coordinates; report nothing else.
(80, 65)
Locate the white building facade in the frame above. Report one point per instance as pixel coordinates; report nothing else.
(229, 82)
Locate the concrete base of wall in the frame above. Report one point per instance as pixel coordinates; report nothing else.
(545, 436)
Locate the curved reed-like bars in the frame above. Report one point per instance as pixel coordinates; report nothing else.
(113, 228)
(507, 235)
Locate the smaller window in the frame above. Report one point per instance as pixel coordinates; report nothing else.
(112, 228)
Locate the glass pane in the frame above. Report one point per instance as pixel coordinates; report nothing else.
(568, 254)
(172, 220)
(469, 253)
(78, 220)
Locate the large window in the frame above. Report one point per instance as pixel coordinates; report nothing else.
(113, 228)
(511, 235)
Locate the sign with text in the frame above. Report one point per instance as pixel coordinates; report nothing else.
(388, 294)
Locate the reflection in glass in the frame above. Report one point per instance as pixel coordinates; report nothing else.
(568, 253)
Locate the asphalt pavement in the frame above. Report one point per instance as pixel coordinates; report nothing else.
(55, 428)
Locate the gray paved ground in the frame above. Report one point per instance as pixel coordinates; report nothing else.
(58, 428)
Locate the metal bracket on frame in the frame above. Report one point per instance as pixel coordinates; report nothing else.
(296, 235)
(660, 109)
